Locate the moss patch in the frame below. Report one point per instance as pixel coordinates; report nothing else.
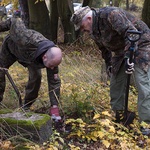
(33, 126)
(27, 121)
(4, 111)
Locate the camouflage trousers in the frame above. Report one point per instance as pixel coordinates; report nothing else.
(118, 88)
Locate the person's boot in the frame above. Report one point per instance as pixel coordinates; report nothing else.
(27, 104)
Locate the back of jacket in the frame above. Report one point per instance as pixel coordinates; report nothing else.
(22, 42)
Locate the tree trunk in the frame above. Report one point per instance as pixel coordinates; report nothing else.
(54, 19)
(146, 12)
(127, 4)
(24, 11)
(39, 17)
(96, 3)
(111, 3)
(87, 3)
(116, 3)
(65, 15)
(48, 4)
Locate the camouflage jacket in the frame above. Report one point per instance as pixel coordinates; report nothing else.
(109, 32)
(27, 46)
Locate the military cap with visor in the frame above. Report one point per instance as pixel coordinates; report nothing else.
(78, 15)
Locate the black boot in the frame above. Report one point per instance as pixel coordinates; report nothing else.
(27, 104)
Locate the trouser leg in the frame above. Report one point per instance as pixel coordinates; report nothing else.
(6, 60)
(2, 84)
(33, 86)
(117, 89)
(143, 84)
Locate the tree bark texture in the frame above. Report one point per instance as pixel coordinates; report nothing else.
(146, 12)
(116, 3)
(39, 17)
(87, 3)
(65, 15)
(24, 11)
(54, 19)
(127, 4)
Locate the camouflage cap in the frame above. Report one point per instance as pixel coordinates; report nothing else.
(78, 16)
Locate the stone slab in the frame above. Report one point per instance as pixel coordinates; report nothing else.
(33, 126)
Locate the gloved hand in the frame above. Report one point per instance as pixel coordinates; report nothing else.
(108, 70)
(129, 66)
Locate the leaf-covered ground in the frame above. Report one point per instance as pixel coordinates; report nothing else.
(84, 102)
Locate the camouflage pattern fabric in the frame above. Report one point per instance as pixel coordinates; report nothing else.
(109, 32)
(23, 36)
(21, 45)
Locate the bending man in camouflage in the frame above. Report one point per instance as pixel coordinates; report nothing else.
(108, 27)
(34, 51)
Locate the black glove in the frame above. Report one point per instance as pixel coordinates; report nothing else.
(129, 66)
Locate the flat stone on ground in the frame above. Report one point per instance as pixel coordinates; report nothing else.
(33, 126)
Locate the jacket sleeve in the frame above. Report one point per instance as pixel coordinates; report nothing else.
(53, 85)
(106, 55)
